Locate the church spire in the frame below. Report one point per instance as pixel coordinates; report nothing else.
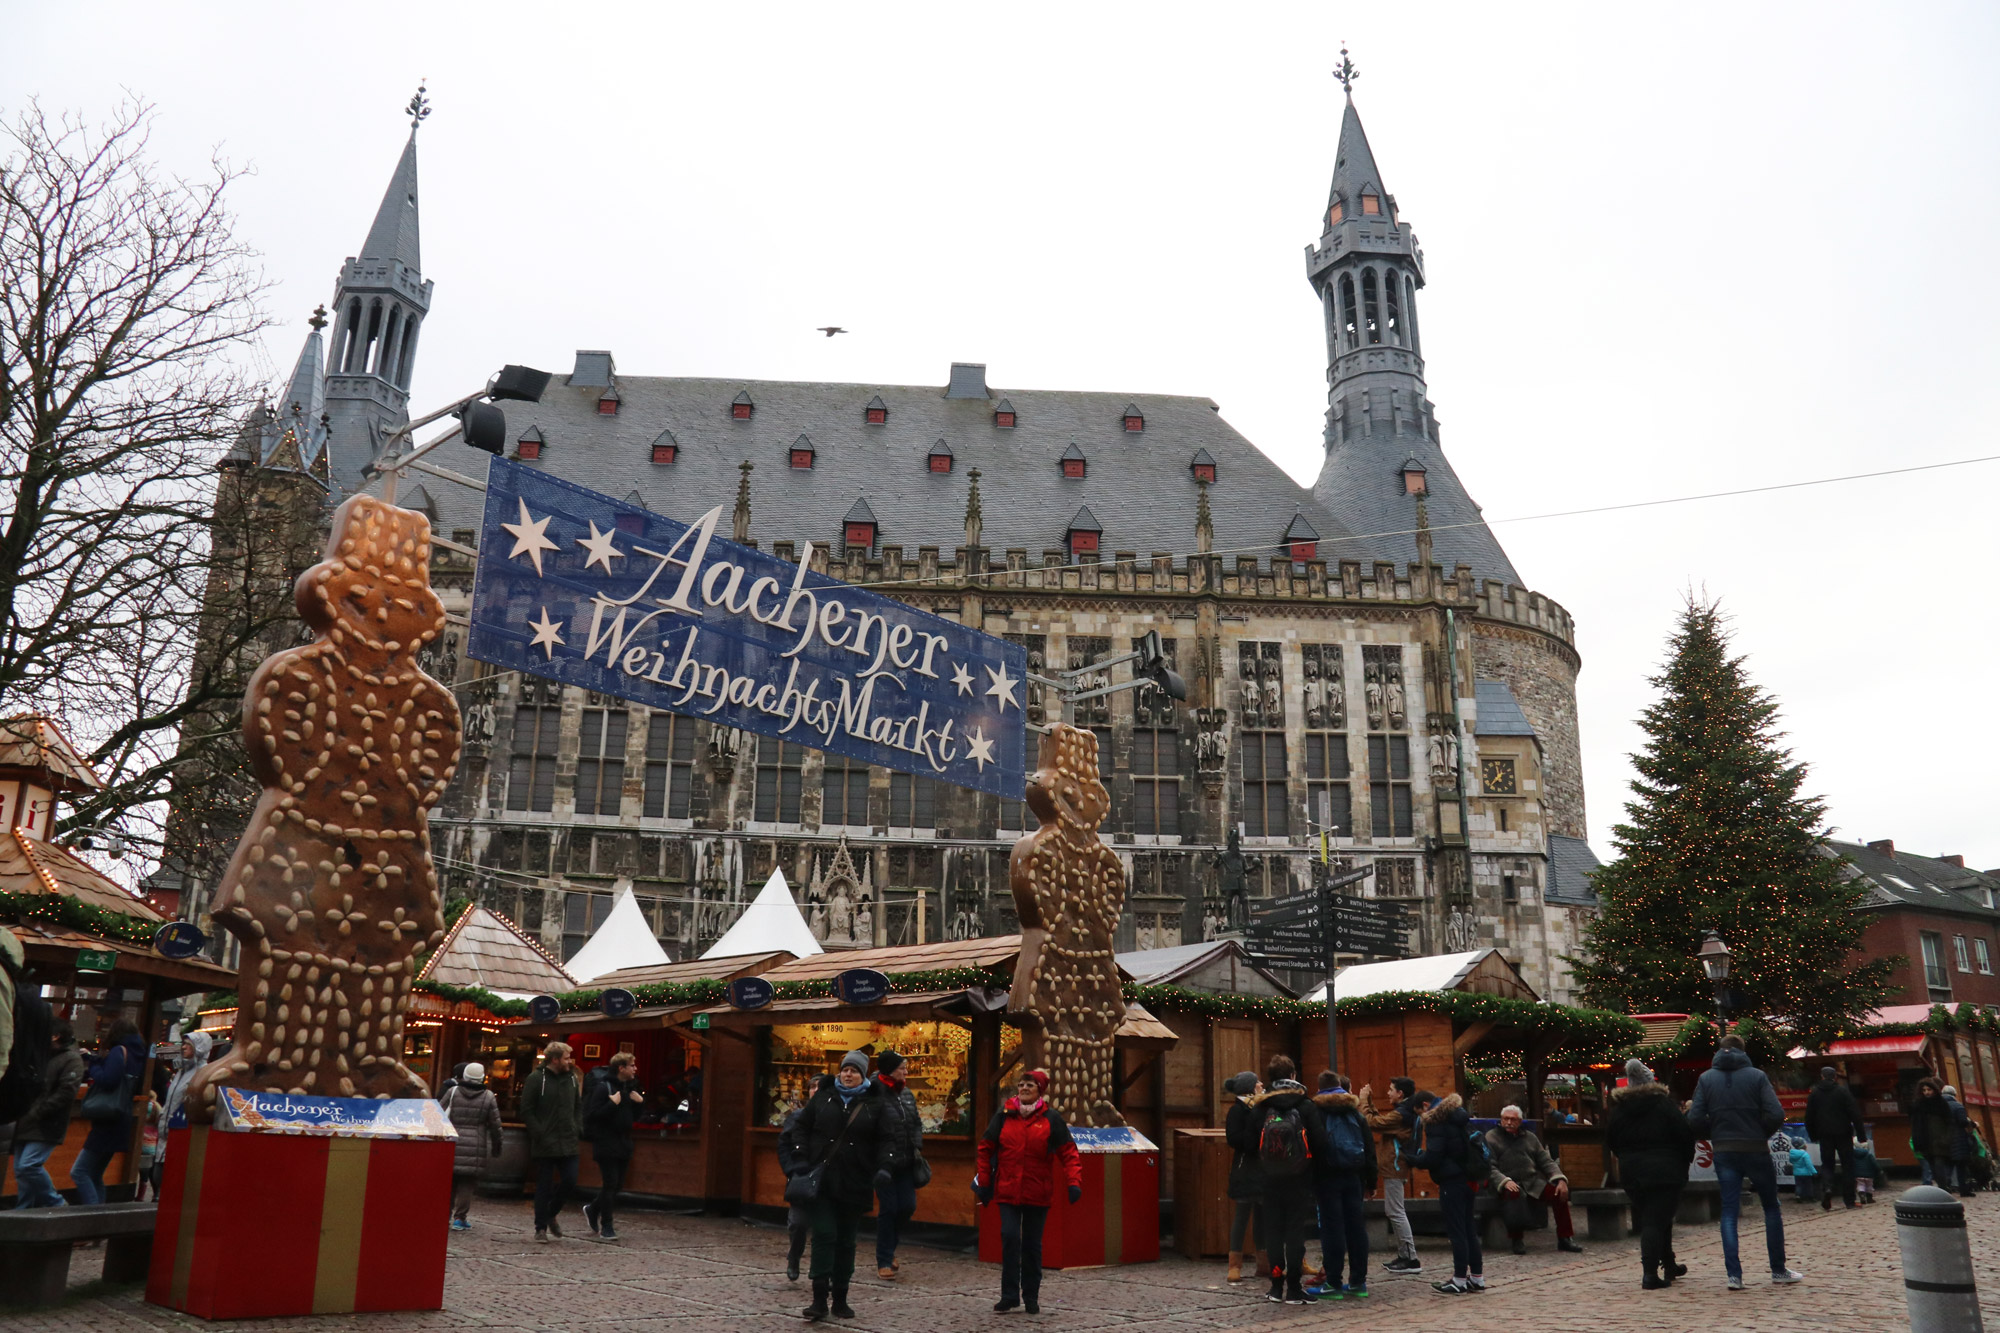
(394, 233)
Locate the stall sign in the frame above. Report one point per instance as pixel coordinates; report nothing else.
(545, 1009)
(252, 1110)
(96, 960)
(179, 939)
(750, 993)
(575, 586)
(861, 985)
(700, 1023)
(617, 1002)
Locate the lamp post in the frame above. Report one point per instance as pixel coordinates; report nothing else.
(1715, 958)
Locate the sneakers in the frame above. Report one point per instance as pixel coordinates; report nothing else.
(1736, 1284)
(1297, 1295)
(607, 1234)
(555, 1228)
(460, 1224)
(1568, 1245)
(1003, 1307)
(1277, 1291)
(1353, 1291)
(1399, 1264)
(1476, 1285)
(1451, 1286)
(588, 1218)
(1786, 1277)
(542, 1235)
(1518, 1245)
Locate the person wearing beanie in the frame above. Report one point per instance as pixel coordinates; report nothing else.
(1342, 1177)
(1240, 1132)
(1653, 1144)
(1833, 1121)
(1024, 1145)
(903, 1130)
(837, 1142)
(475, 1113)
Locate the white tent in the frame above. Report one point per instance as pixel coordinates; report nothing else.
(1438, 972)
(624, 940)
(771, 922)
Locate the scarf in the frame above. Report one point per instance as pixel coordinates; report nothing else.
(847, 1095)
(1026, 1109)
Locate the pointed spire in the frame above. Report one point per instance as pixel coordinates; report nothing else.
(305, 395)
(974, 515)
(394, 234)
(1354, 171)
(741, 532)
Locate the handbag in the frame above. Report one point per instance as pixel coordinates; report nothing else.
(920, 1174)
(803, 1188)
(108, 1102)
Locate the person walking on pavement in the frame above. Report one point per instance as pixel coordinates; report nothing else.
(1018, 1156)
(1737, 1111)
(552, 1111)
(609, 1113)
(1938, 1133)
(1524, 1172)
(114, 1075)
(1246, 1190)
(475, 1113)
(1650, 1136)
(1289, 1137)
(1393, 1130)
(903, 1130)
(1833, 1121)
(1449, 1154)
(838, 1134)
(40, 1129)
(1962, 1141)
(798, 1222)
(1342, 1177)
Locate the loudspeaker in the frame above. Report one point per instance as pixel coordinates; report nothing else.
(519, 383)
(484, 426)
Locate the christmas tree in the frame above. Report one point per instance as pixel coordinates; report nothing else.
(1722, 839)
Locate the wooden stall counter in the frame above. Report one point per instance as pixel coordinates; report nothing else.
(668, 1162)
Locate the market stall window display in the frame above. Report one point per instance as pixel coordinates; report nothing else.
(794, 1056)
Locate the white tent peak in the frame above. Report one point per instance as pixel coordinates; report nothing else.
(770, 923)
(624, 940)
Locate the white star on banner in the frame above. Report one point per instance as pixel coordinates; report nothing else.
(979, 749)
(962, 678)
(602, 552)
(1002, 687)
(548, 633)
(530, 535)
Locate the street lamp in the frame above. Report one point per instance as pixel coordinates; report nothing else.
(1715, 959)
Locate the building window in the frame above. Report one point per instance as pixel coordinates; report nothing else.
(1371, 205)
(1962, 953)
(669, 765)
(531, 781)
(1204, 472)
(1391, 813)
(1305, 550)
(1334, 214)
(779, 780)
(607, 407)
(844, 793)
(1936, 980)
(1371, 307)
(802, 458)
(861, 535)
(940, 462)
(583, 913)
(1134, 422)
(600, 762)
(1016, 817)
(1510, 891)
(1004, 420)
(1156, 783)
(741, 407)
(1329, 800)
(1072, 467)
(1349, 330)
(1392, 297)
(878, 416)
(1082, 542)
(664, 453)
(912, 802)
(1985, 957)
(528, 448)
(1264, 812)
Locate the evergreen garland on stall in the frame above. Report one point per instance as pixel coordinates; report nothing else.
(63, 910)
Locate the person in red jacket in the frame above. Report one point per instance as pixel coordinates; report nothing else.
(1018, 1156)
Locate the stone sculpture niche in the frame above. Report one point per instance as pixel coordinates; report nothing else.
(332, 893)
(1069, 890)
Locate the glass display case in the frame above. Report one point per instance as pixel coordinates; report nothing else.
(794, 1056)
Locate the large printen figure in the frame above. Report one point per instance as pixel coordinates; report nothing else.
(1069, 889)
(332, 892)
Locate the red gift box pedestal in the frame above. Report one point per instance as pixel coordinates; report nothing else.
(254, 1225)
(1117, 1221)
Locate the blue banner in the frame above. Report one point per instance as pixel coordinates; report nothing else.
(587, 590)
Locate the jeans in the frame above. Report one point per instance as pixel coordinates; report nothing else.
(1343, 1228)
(611, 1171)
(1732, 1169)
(461, 1195)
(1398, 1217)
(832, 1241)
(1836, 1158)
(1806, 1188)
(1286, 1207)
(555, 1177)
(893, 1207)
(34, 1187)
(1653, 1209)
(1021, 1251)
(87, 1173)
(1455, 1202)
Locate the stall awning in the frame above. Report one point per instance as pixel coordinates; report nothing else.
(1908, 1045)
(893, 1009)
(45, 942)
(589, 1020)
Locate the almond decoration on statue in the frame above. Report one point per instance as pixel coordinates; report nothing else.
(1069, 890)
(332, 892)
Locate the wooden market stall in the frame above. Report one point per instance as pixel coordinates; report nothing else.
(1897, 1049)
(482, 954)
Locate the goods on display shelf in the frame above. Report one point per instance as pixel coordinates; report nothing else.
(938, 1056)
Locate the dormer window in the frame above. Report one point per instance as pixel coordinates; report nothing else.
(665, 447)
(1301, 541)
(1371, 205)
(802, 453)
(858, 528)
(1072, 461)
(1134, 420)
(529, 447)
(1203, 466)
(876, 413)
(741, 407)
(1084, 535)
(940, 458)
(1414, 480)
(1003, 415)
(1336, 213)
(607, 403)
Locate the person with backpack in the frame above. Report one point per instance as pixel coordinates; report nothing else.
(1833, 1120)
(1447, 1147)
(1736, 1110)
(1394, 1129)
(610, 1110)
(1651, 1139)
(838, 1139)
(114, 1082)
(1342, 1178)
(1289, 1137)
(1024, 1144)
(40, 1129)
(903, 1130)
(475, 1113)
(1523, 1172)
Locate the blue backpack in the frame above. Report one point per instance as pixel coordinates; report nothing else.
(1349, 1140)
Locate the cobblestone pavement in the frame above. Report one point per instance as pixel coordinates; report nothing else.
(678, 1274)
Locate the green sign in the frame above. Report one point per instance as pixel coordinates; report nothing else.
(96, 960)
(701, 1022)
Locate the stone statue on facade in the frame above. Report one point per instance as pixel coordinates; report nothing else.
(1392, 692)
(1372, 689)
(1232, 868)
(1444, 756)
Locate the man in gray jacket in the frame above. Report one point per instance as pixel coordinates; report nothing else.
(1737, 1111)
(1523, 1170)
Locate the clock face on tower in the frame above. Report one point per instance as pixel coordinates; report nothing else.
(1497, 776)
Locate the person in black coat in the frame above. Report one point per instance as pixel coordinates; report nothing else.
(1240, 1132)
(840, 1129)
(1833, 1120)
(1654, 1144)
(610, 1108)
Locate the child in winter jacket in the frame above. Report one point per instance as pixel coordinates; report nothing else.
(1805, 1176)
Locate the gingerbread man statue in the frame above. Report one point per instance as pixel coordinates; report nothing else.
(1069, 890)
(332, 893)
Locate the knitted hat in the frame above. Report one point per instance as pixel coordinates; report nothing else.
(888, 1062)
(1041, 1077)
(473, 1073)
(1246, 1083)
(1949, 1090)
(858, 1059)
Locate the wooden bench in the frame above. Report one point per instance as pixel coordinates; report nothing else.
(35, 1246)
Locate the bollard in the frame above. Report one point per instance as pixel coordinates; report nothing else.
(1937, 1262)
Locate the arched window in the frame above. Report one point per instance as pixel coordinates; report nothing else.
(371, 354)
(1371, 306)
(409, 353)
(1349, 334)
(350, 359)
(1410, 311)
(391, 344)
(1392, 292)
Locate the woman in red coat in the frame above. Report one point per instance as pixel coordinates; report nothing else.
(1018, 1157)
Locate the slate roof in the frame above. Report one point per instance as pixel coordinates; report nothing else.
(1499, 713)
(1570, 865)
(1354, 164)
(1898, 879)
(1362, 481)
(394, 233)
(1140, 489)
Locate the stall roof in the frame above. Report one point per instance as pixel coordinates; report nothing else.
(486, 949)
(695, 969)
(770, 924)
(1482, 970)
(1214, 965)
(625, 940)
(28, 741)
(1140, 1029)
(47, 942)
(1908, 1045)
(989, 952)
(29, 865)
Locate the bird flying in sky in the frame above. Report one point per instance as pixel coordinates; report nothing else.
(829, 330)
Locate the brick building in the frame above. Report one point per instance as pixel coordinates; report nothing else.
(1941, 918)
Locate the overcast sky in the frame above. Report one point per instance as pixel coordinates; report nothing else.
(1669, 251)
